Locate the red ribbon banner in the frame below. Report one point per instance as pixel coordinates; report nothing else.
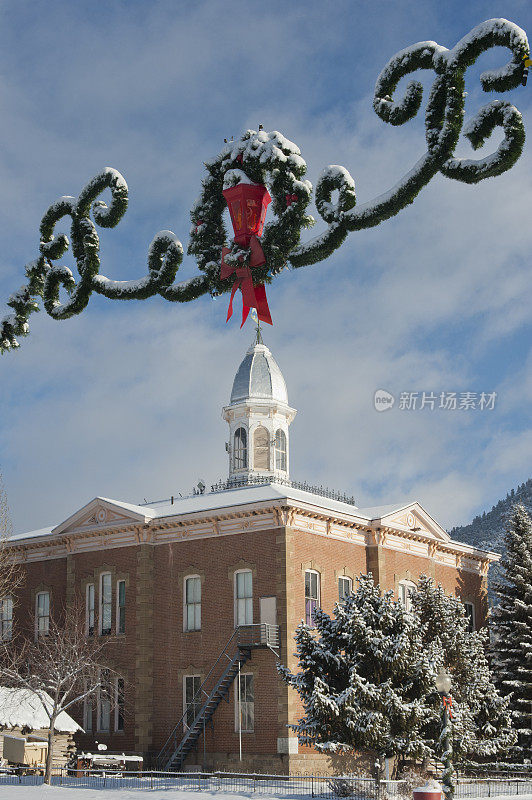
(252, 296)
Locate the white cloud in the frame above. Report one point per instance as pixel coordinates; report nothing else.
(125, 400)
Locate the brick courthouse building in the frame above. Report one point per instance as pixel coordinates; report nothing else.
(203, 593)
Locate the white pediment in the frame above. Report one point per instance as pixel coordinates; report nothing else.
(101, 513)
(414, 519)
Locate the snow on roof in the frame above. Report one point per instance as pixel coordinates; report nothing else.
(20, 708)
(239, 496)
(31, 534)
(378, 512)
(103, 758)
(245, 495)
(148, 511)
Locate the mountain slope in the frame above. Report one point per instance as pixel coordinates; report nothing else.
(487, 530)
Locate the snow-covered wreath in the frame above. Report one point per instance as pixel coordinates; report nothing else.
(272, 160)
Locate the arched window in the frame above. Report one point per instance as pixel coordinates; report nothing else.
(280, 450)
(261, 448)
(192, 606)
(312, 595)
(240, 449)
(243, 597)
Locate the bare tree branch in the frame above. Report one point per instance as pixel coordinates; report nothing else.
(61, 669)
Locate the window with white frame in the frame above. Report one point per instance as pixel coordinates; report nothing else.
(245, 703)
(470, 616)
(90, 609)
(104, 704)
(243, 597)
(87, 713)
(405, 591)
(240, 449)
(6, 618)
(121, 606)
(312, 595)
(192, 603)
(345, 586)
(191, 698)
(42, 613)
(119, 704)
(106, 603)
(280, 450)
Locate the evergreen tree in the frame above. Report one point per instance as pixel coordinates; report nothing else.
(367, 677)
(365, 681)
(512, 618)
(482, 724)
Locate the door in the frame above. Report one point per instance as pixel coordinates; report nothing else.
(268, 610)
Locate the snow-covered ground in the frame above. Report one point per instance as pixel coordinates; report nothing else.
(69, 793)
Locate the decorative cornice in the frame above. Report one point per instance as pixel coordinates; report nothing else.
(262, 515)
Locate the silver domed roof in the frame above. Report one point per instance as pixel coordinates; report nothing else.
(259, 377)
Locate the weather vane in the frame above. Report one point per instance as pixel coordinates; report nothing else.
(261, 167)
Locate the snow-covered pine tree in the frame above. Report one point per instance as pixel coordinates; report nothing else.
(482, 725)
(512, 622)
(365, 679)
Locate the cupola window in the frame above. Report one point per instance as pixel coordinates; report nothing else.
(261, 448)
(240, 449)
(280, 450)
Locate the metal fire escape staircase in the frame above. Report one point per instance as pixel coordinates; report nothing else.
(214, 689)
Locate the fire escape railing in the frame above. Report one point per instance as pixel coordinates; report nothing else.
(215, 687)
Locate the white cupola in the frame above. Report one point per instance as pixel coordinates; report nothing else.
(259, 416)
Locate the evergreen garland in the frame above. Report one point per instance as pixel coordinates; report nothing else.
(512, 620)
(272, 160)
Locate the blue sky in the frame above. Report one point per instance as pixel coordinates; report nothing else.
(124, 401)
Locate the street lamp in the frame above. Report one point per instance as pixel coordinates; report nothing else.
(443, 685)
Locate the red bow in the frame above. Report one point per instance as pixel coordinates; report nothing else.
(240, 158)
(291, 198)
(448, 705)
(252, 296)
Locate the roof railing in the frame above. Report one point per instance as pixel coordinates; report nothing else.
(258, 480)
(255, 480)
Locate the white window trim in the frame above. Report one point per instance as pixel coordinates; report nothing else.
(45, 591)
(314, 572)
(246, 449)
(100, 603)
(87, 625)
(116, 709)
(98, 713)
(185, 708)
(344, 578)
(3, 600)
(278, 451)
(185, 579)
(473, 619)
(117, 609)
(237, 703)
(235, 599)
(88, 709)
(409, 585)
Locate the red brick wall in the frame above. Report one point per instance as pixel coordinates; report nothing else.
(154, 619)
(177, 652)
